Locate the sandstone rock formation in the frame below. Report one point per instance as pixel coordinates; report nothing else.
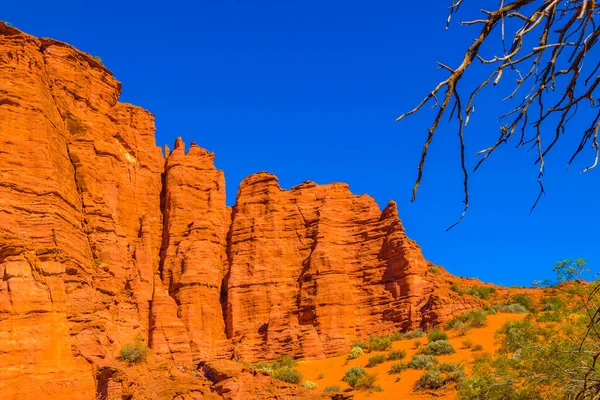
(104, 239)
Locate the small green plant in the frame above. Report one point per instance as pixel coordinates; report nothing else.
(433, 269)
(480, 292)
(397, 379)
(396, 355)
(362, 345)
(309, 385)
(434, 336)
(352, 375)
(513, 309)
(284, 360)
(477, 347)
(379, 343)
(455, 288)
(414, 334)
(332, 389)
(376, 360)
(355, 352)
(134, 353)
(417, 344)
(98, 58)
(422, 362)
(397, 368)
(287, 374)
(525, 300)
(367, 382)
(438, 348)
(440, 376)
(321, 375)
(475, 318)
(467, 343)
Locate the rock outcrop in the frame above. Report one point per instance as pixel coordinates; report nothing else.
(104, 239)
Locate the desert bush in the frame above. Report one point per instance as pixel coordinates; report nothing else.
(98, 58)
(553, 309)
(134, 353)
(332, 389)
(480, 292)
(455, 288)
(396, 368)
(467, 343)
(513, 309)
(321, 375)
(525, 300)
(477, 347)
(355, 352)
(284, 360)
(433, 269)
(352, 375)
(379, 343)
(438, 348)
(309, 385)
(422, 362)
(436, 335)
(417, 344)
(396, 355)
(362, 345)
(287, 374)
(367, 382)
(440, 376)
(376, 360)
(414, 334)
(475, 318)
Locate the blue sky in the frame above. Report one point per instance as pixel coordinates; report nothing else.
(309, 90)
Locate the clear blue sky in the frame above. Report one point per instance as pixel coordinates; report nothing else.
(309, 90)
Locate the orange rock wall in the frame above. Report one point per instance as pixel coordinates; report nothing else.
(104, 239)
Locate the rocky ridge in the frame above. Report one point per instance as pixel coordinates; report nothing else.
(104, 238)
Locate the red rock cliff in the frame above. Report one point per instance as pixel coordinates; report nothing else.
(104, 239)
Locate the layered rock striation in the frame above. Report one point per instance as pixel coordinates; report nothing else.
(105, 238)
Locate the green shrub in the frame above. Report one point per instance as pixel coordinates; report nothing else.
(287, 374)
(414, 334)
(553, 309)
(376, 360)
(396, 368)
(467, 343)
(422, 362)
(436, 335)
(134, 353)
(514, 309)
(433, 269)
(367, 382)
(396, 355)
(440, 376)
(477, 347)
(355, 352)
(525, 300)
(309, 385)
(438, 348)
(379, 343)
(490, 310)
(352, 375)
(454, 287)
(285, 361)
(98, 58)
(481, 292)
(417, 344)
(475, 318)
(396, 336)
(332, 389)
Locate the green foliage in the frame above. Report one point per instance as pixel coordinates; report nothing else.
(321, 375)
(287, 374)
(438, 348)
(352, 375)
(455, 288)
(477, 347)
(355, 352)
(525, 300)
(417, 344)
(285, 361)
(379, 343)
(134, 353)
(475, 318)
(98, 58)
(440, 376)
(332, 389)
(554, 309)
(480, 292)
(467, 343)
(433, 270)
(422, 362)
(362, 345)
(519, 334)
(376, 360)
(309, 385)
(513, 309)
(396, 368)
(367, 382)
(436, 335)
(566, 270)
(396, 355)
(414, 334)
